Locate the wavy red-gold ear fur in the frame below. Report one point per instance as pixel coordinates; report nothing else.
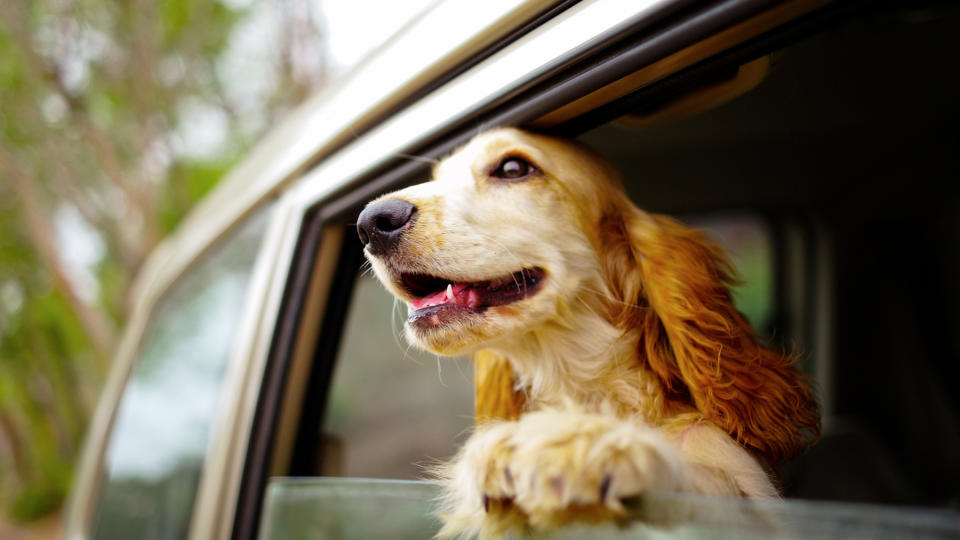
(673, 287)
(495, 397)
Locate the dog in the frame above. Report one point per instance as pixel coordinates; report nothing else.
(609, 359)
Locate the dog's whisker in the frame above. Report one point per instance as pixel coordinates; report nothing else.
(366, 269)
(413, 358)
(515, 258)
(409, 344)
(494, 240)
(588, 306)
(463, 375)
(397, 329)
(440, 371)
(606, 295)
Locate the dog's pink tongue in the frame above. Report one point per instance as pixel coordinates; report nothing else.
(454, 294)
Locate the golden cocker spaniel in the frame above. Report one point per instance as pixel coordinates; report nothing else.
(610, 360)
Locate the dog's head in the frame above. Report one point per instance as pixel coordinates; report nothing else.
(519, 232)
(494, 245)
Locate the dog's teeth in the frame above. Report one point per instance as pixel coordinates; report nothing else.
(449, 290)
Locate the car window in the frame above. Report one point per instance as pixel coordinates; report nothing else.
(392, 408)
(361, 508)
(156, 452)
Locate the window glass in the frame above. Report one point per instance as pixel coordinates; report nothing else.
(161, 431)
(392, 408)
(358, 508)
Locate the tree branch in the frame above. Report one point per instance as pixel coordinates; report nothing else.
(97, 326)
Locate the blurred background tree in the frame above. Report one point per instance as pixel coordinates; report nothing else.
(116, 116)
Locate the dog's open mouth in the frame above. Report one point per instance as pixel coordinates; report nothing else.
(433, 294)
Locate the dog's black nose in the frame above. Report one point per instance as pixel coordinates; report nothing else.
(380, 225)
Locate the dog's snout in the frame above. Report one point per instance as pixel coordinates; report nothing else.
(379, 225)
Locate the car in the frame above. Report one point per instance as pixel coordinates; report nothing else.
(261, 390)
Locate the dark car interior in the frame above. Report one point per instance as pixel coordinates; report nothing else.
(847, 151)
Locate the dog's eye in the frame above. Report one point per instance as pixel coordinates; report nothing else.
(513, 168)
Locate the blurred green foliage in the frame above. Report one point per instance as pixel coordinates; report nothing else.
(96, 166)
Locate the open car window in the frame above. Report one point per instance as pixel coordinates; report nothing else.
(818, 187)
(393, 410)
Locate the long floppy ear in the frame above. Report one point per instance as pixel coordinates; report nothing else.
(673, 285)
(495, 397)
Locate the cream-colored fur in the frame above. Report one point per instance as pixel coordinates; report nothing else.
(556, 465)
(597, 426)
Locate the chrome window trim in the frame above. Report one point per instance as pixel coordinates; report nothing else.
(567, 32)
(242, 381)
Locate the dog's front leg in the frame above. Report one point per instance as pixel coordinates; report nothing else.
(551, 467)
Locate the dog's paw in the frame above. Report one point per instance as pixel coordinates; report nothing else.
(552, 467)
(477, 491)
(566, 466)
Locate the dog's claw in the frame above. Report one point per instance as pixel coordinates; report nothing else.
(605, 487)
(486, 504)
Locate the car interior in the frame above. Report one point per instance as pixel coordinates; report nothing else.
(824, 167)
(844, 150)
